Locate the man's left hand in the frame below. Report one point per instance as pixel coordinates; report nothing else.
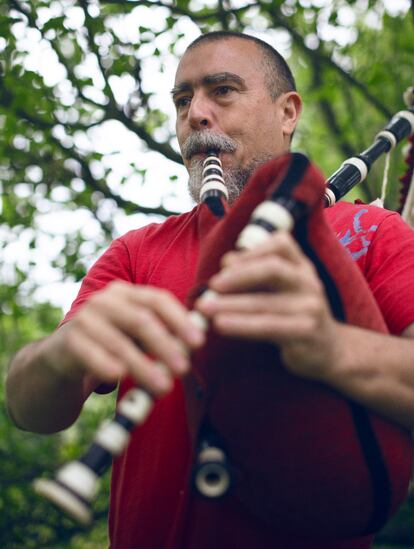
(273, 293)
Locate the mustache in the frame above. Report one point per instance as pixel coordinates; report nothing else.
(202, 141)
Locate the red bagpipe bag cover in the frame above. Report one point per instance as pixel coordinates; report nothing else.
(305, 458)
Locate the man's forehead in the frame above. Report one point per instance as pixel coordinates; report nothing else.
(233, 56)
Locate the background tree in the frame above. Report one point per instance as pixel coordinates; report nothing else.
(87, 148)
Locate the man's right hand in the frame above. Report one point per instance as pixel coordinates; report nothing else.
(123, 330)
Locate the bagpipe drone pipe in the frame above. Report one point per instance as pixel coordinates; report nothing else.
(299, 456)
(292, 452)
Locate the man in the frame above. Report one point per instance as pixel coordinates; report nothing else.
(235, 93)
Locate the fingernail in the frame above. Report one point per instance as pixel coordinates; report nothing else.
(195, 336)
(197, 327)
(179, 363)
(161, 381)
(209, 296)
(220, 279)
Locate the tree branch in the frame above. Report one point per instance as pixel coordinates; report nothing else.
(223, 15)
(99, 186)
(208, 14)
(103, 188)
(318, 56)
(54, 44)
(94, 49)
(328, 113)
(112, 110)
(164, 148)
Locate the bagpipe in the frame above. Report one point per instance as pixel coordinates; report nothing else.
(292, 452)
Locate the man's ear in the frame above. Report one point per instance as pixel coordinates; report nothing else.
(291, 105)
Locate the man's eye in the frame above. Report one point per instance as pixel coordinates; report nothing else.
(223, 90)
(182, 102)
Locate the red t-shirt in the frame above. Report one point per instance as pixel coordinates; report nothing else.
(150, 481)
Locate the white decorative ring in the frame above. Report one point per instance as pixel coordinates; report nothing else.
(359, 164)
(79, 478)
(409, 96)
(136, 405)
(213, 177)
(211, 453)
(213, 186)
(199, 320)
(216, 487)
(251, 236)
(215, 159)
(113, 437)
(408, 115)
(212, 167)
(275, 214)
(330, 196)
(389, 136)
(64, 499)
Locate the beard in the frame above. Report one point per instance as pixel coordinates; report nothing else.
(235, 178)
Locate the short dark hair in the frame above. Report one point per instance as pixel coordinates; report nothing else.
(278, 76)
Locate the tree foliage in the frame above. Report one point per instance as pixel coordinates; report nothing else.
(75, 72)
(85, 117)
(26, 520)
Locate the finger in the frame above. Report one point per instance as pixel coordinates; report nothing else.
(265, 327)
(170, 311)
(261, 303)
(280, 242)
(155, 339)
(93, 358)
(267, 273)
(110, 355)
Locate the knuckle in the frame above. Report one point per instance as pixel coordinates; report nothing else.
(273, 265)
(317, 286)
(283, 238)
(312, 325)
(227, 259)
(115, 286)
(113, 290)
(312, 270)
(96, 300)
(79, 322)
(314, 306)
(281, 241)
(310, 279)
(162, 296)
(155, 297)
(71, 337)
(117, 348)
(143, 316)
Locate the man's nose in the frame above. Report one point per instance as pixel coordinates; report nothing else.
(200, 114)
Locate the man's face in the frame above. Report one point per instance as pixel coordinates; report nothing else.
(220, 88)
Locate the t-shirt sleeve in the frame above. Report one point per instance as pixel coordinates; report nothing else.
(390, 272)
(114, 264)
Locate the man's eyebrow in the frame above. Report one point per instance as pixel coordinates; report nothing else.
(184, 86)
(223, 76)
(215, 78)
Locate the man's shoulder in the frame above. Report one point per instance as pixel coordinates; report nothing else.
(357, 216)
(343, 210)
(363, 227)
